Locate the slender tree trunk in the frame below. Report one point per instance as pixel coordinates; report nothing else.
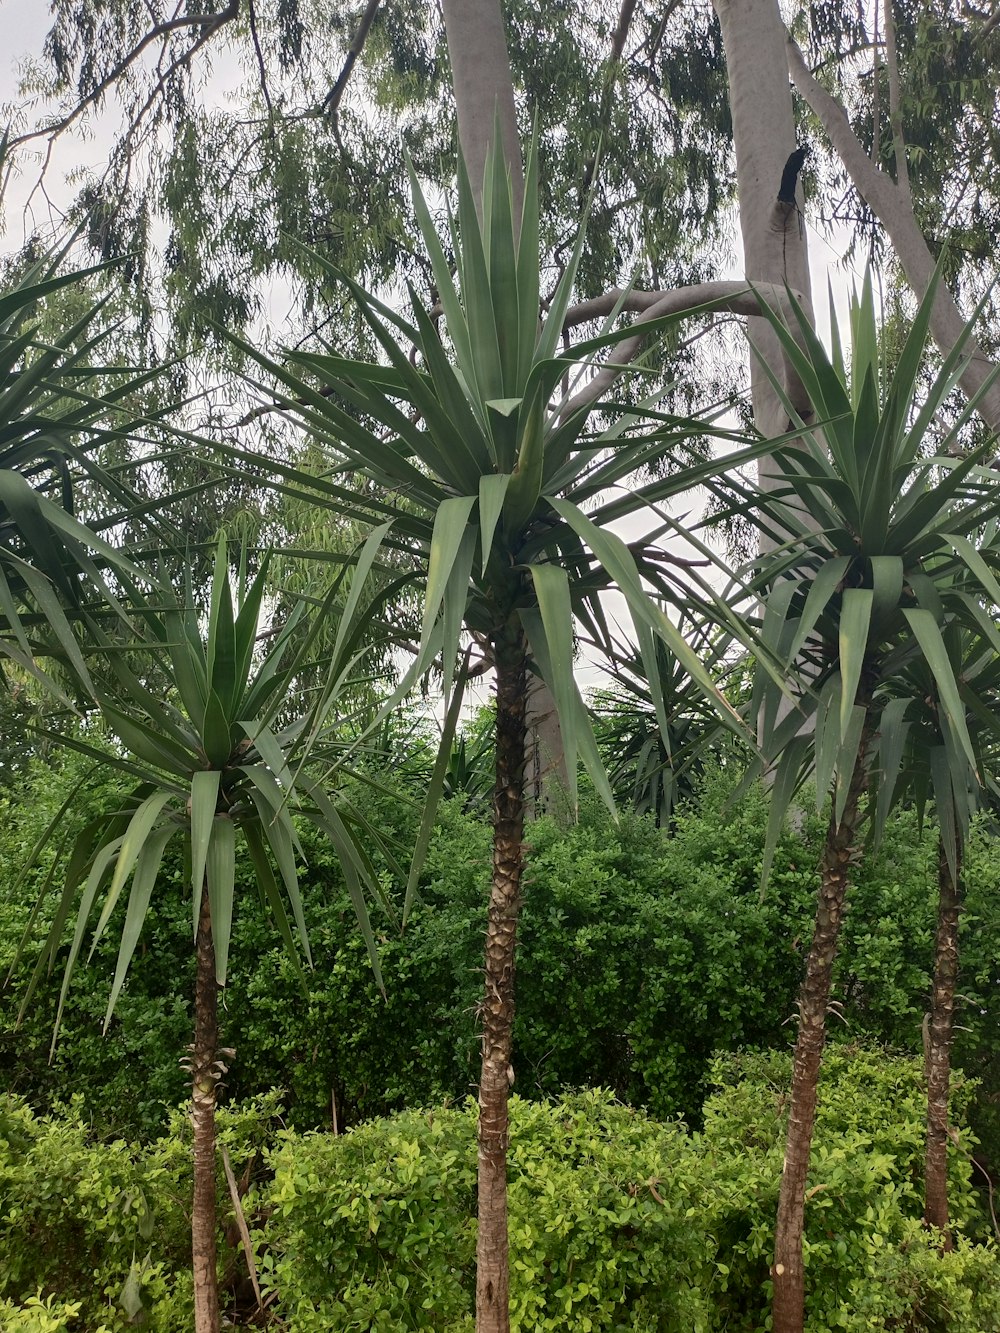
(484, 91)
(774, 239)
(546, 788)
(839, 854)
(492, 1267)
(204, 1078)
(940, 1031)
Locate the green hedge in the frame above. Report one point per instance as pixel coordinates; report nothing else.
(640, 957)
(104, 1225)
(617, 1221)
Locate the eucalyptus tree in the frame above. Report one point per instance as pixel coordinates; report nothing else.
(310, 141)
(874, 564)
(509, 495)
(225, 757)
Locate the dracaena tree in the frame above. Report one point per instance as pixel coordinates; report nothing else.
(60, 407)
(919, 762)
(874, 527)
(655, 767)
(481, 450)
(224, 759)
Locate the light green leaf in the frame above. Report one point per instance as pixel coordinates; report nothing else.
(492, 493)
(135, 838)
(556, 615)
(204, 800)
(146, 870)
(220, 873)
(855, 622)
(928, 636)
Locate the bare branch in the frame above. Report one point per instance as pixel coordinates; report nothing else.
(895, 213)
(211, 23)
(332, 102)
(895, 109)
(735, 297)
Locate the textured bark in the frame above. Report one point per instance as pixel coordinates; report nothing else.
(546, 785)
(204, 1079)
(481, 80)
(940, 1030)
(774, 242)
(891, 205)
(492, 1270)
(839, 854)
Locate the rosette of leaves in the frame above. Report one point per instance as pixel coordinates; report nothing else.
(224, 758)
(60, 405)
(875, 568)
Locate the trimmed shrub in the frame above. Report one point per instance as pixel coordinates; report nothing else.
(617, 1222)
(870, 1264)
(103, 1228)
(374, 1230)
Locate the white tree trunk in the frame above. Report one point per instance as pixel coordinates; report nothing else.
(774, 241)
(891, 205)
(484, 90)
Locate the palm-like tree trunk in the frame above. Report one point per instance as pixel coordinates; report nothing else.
(492, 1268)
(939, 1044)
(839, 854)
(204, 1079)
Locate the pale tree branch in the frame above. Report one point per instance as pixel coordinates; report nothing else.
(895, 107)
(332, 102)
(210, 23)
(876, 122)
(735, 297)
(895, 212)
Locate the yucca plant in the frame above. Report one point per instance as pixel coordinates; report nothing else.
(652, 770)
(917, 764)
(875, 562)
(223, 759)
(511, 497)
(59, 406)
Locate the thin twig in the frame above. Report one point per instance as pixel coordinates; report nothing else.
(241, 1223)
(210, 22)
(252, 14)
(332, 101)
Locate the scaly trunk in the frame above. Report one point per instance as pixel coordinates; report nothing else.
(839, 853)
(204, 1078)
(492, 1266)
(940, 1031)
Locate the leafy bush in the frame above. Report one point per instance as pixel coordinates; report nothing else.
(375, 1230)
(869, 1261)
(103, 1227)
(617, 1222)
(641, 955)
